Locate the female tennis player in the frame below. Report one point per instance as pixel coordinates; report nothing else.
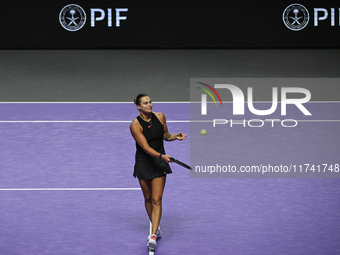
(149, 129)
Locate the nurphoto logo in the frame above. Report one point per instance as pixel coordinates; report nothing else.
(204, 97)
(238, 104)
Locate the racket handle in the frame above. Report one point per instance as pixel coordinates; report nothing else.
(180, 163)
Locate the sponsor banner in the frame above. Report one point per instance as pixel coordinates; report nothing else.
(169, 24)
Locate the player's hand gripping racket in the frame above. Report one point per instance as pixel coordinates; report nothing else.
(180, 163)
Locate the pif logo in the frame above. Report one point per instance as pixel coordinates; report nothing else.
(73, 17)
(296, 16)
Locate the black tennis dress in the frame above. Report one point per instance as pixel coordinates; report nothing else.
(146, 166)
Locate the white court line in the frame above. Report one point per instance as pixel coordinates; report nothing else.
(128, 121)
(270, 120)
(78, 121)
(154, 102)
(170, 102)
(65, 121)
(76, 189)
(67, 189)
(245, 101)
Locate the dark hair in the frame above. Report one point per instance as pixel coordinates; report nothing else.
(137, 99)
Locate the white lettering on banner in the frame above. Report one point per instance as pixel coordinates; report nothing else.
(118, 17)
(72, 17)
(322, 14)
(317, 17)
(109, 16)
(94, 18)
(296, 16)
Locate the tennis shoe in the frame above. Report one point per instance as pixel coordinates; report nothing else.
(159, 232)
(152, 241)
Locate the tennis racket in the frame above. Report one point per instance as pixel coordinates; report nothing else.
(180, 163)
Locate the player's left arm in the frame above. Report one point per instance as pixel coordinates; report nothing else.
(167, 136)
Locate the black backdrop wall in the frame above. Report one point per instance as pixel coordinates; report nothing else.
(169, 24)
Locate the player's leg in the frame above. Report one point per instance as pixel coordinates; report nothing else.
(146, 189)
(157, 188)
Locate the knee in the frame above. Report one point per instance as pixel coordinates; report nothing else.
(157, 201)
(147, 199)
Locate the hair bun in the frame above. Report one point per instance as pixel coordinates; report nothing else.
(137, 99)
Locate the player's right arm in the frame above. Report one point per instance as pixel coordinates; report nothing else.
(136, 132)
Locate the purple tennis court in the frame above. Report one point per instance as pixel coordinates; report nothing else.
(68, 76)
(67, 188)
